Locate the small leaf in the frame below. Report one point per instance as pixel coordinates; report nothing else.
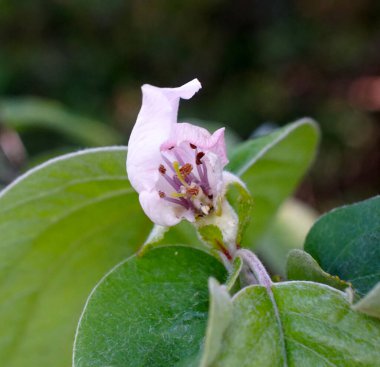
(370, 304)
(241, 200)
(148, 311)
(62, 226)
(272, 166)
(308, 324)
(301, 266)
(219, 317)
(345, 242)
(212, 235)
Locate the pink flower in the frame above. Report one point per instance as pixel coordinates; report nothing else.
(177, 168)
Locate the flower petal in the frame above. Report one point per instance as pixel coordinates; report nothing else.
(185, 132)
(159, 211)
(154, 123)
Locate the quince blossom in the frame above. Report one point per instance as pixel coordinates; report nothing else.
(177, 168)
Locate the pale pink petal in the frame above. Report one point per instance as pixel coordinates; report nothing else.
(219, 145)
(215, 173)
(158, 210)
(156, 118)
(185, 132)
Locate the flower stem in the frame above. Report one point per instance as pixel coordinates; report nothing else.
(254, 272)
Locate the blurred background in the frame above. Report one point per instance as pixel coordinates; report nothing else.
(71, 71)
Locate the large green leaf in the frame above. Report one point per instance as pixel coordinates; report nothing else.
(346, 242)
(148, 311)
(26, 113)
(271, 167)
(308, 324)
(62, 226)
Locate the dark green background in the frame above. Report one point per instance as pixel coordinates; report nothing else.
(259, 62)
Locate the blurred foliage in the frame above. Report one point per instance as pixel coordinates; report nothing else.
(259, 61)
(25, 113)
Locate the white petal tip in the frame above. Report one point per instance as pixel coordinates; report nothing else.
(185, 91)
(190, 88)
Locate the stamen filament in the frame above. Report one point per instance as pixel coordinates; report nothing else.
(171, 182)
(205, 176)
(180, 160)
(177, 201)
(168, 163)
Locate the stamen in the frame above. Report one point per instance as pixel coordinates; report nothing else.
(161, 194)
(180, 201)
(198, 158)
(172, 182)
(179, 174)
(186, 169)
(199, 164)
(179, 158)
(192, 146)
(193, 191)
(168, 163)
(205, 176)
(162, 169)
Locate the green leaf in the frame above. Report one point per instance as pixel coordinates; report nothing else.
(24, 113)
(148, 311)
(370, 304)
(271, 167)
(309, 324)
(220, 315)
(345, 242)
(301, 266)
(62, 226)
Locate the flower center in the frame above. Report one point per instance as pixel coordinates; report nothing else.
(183, 185)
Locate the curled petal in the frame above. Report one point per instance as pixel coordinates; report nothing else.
(200, 137)
(154, 123)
